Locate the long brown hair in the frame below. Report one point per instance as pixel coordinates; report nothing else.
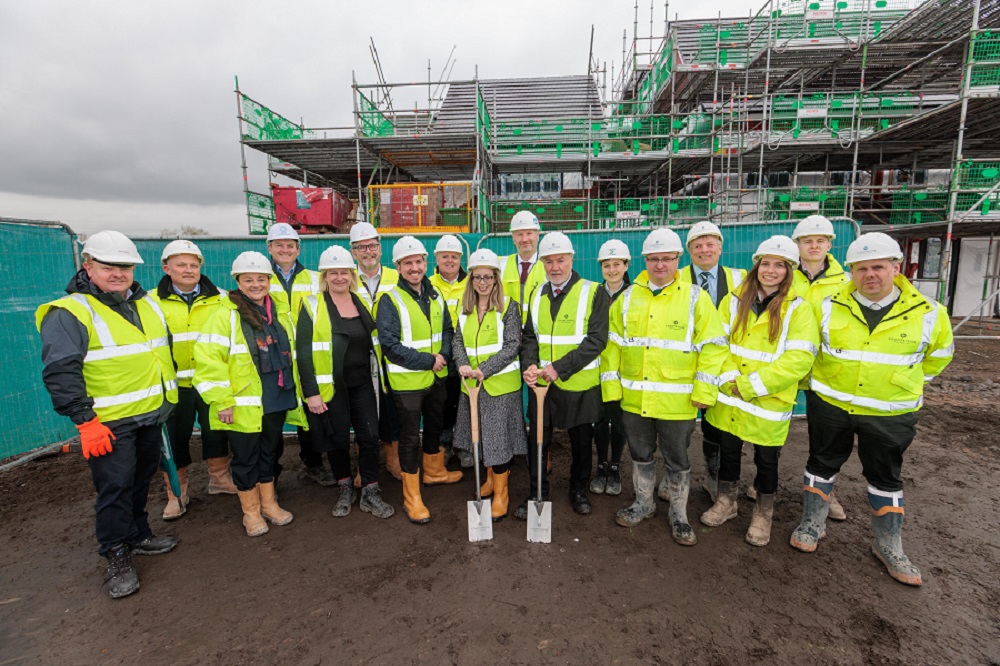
(747, 296)
(247, 310)
(470, 299)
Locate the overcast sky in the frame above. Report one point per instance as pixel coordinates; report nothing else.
(122, 114)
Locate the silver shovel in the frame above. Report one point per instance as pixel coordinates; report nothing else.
(480, 510)
(539, 512)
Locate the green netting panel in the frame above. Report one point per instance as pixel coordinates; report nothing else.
(918, 206)
(975, 174)
(260, 212)
(966, 201)
(987, 47)
(830, 202)
(373, 121)
(985, 76)
(262, 124)
(26, 415)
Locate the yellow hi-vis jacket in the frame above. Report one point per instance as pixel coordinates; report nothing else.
(418, 333)
(766, 373)
(322, 356)
(225, 375)
(558, 338)
(388, 281)
(482, 340)
(128, 372)
(451, 293)
(664, 352)
(511, 277)
(828, 285)
(882, 372)
(305, 283)
(186, 325)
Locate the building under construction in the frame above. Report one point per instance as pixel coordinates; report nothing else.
(880, 111)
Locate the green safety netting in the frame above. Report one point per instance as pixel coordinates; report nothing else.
(262, 124)
(829, 202)
(373, 122)
(260, 212)
(916, 206)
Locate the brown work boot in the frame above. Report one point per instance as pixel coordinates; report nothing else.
(487, 488)
(836, 510)
(413, 504)
(759, 533)
(501, 496)
(725, 508)
(174, 508)
(392, 460)
(269, 505)
(435, 473)
(220, 481)
(253, 522)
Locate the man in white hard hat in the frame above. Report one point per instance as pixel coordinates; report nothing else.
(666, 347)
(291, 283)
(566, 332)
(415, 331)
(882, 340)
(449, 279)
(188, 298)
(374, 280)
(107, 367)
(522, 272)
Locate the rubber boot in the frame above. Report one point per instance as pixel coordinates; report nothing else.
(599, 483)
(269, 505)
(643, 480)
(501, 496)
(372, 502)
(435, 473)
(174, 509)
(725, 507)
(679, 484)
(759, 533)
(220, 481)
(836, 510)
(412, 502)
(123, 578)
(392, 460)
(663, 490)
(711, 483)
(253, 522)
(887, 524)
(343, 506)
(815, 507)
(752, 492)
(486, 489)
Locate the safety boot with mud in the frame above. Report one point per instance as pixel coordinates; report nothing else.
(643, 480)
(725, 507)
(123, 579)
(343, 506)
(679, 485)
(253, 522)
(372, 502)
(413, 504)
(435, 473)
(174, 507)
(600, 481)
(155, 545)
(269, 506)
(887, 524)
(815, 507)
(220, 480)
(614, 486)
(759, 533)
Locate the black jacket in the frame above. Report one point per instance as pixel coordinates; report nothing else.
(338, 345)
(389, 326)
(64, 346)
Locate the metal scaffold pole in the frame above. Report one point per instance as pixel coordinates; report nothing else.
(243, 150)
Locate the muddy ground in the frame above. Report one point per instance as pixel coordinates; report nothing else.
(359, 590)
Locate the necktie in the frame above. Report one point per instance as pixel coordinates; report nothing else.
(525, 268)
(556, 292)
(704, 280)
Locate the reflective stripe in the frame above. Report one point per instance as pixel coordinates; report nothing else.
(895, 495)
(927, 330)
(320, 346)
(593, 365)
(736, 275)
(100, 326)
(250, 401)
(757, 383)
(406, 329)
(719, 342)
(945, 352)
(238, 349)
(610, 377)
(874, 357)
(313, 304)
(617, 339)
(752, 354)
(191, 336)
(754, 410)
(185, 374)
(673, 345)
(116, 352)
(801, 345)
(212, 338)
(171, 384)
(156, 308)
(871, 403)
(705, 377)
(324, 379)
(657, 387)
(124, 398)
(276, 287)
(483, 349)
(392, 367)
(729, 376)
(208, 386)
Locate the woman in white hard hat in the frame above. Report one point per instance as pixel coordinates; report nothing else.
(338, 359)
(485, 347)
(773, 339)
(609, 434)
(245, 371)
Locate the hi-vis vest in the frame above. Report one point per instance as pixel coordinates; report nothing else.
(128, 372)
(556, 339)
(882, 372)
(511, 278)
(185, 327)
(322, 356)
(225, 375)
(451, 293)
(388, 281)
(766, 373)
(305, 283)
(484, 339)
(828, 285)
(417, 333)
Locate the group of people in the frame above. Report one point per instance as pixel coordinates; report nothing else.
(389, 353)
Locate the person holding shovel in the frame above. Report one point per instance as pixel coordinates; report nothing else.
(485, 348)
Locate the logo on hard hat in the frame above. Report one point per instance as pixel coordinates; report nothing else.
(864, 249)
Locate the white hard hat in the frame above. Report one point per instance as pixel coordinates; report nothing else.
(555, 242)
(662, 240)
(112, 247)
(874, 245)
(778, 246)
(814, 225)
(336, 257)
(176, 247)
(362, 231)
(251, 262)
(282, 231)
(705, 228)
(614, 249)
(449, 243)
(407, 246)
(524, 219)
(484, 259)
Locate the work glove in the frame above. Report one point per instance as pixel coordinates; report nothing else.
(95, 438)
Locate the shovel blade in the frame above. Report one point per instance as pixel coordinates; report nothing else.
(539, 522)
(480, 520)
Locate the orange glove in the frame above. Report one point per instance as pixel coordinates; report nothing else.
(95, 438)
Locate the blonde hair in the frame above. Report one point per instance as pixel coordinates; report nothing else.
(470, 298)
(324, 287)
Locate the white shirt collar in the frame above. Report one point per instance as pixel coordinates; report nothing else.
(560, 287)
(531, 261)
(878, 305)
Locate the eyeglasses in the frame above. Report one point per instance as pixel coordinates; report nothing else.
(482, 278)
(367, 247)
(662, 260)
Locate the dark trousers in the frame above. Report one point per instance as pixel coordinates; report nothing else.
(881, 442)
(673, 438)
(121, 479)
(388, 420)
(581, 439)
(765, 458)
(610, 433)
(427, 403)
(453, 389)
(711, 438)
(255, 454)
(180, 425)
(356, 408)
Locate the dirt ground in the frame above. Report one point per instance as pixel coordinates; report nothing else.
(358, 590)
